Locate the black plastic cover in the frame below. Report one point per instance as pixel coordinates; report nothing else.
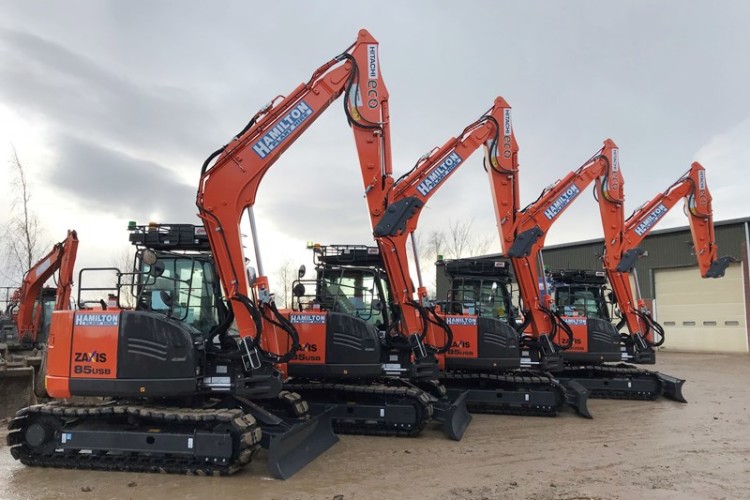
(152, 346)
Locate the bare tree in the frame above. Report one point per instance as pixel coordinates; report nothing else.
(461, 241)
(124, 262)
(22, 232)
(456, 241)
(434, 246)
(285, 276)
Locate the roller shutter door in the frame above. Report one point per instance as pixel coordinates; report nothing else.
(701, 314)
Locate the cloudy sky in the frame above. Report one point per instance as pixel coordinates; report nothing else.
(112, 106)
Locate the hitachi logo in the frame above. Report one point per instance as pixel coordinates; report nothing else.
(372, 62)
(507, 127)
(439, 173)
(283, 128)
(615, 160)
(702, 180)
(562, 202)
(650, 220)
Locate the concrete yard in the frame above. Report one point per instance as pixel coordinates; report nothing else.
(631, 449)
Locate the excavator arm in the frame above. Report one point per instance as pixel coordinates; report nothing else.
(395, 209)
(62, 257)
(621, 254)
(231, 176)
(523, 238)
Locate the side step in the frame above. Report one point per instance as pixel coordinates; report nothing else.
(515, 393)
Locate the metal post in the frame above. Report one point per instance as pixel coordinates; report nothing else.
(542, 273)
(254, 233)
(416, 259)
(637, 286)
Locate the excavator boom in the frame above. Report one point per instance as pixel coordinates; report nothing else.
(62, 257)
(469, 348)
(622, 247)
(524, 237)
(394, 211)
(229, 185)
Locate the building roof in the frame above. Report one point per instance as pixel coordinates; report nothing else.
(727, 222)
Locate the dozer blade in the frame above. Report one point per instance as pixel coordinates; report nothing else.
(293, 445)
(17, 389)
(671, 387)
(577, 396)
(455, 416)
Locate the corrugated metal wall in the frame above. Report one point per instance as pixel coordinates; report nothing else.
(670, 248)
(666, 248)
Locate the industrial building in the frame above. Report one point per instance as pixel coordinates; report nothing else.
(704, 315)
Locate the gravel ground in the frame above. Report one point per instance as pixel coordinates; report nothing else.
(631, 449)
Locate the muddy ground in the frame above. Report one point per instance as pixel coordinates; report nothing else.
(647, 450)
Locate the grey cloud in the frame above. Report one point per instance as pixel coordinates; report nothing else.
(105, 180)
(81, 96)
(660, 79)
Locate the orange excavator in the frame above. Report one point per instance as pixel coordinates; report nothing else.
(523, 234)
(24, 326)
(589, 347)
(595, 339)
(29, 307)
(479, 356)
(348, 372)
(225, 391)
(593, 333)
(621, 251)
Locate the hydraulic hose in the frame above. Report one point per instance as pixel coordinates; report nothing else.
(283, 323)
(440, 322)
(568, 332)
(221, 329)
(423, 315)
(553, 322)
(653, 326)
(255, 314)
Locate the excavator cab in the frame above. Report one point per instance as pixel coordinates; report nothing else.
(182, 394)
(581, 298)
(186, 289)
(350, 290)
(481, 287)
(346, 320)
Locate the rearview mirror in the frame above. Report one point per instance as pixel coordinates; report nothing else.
(149, 257)
(156, 269)
(301, 272)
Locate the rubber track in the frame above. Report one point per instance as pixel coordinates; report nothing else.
(617, 371)
(321, 392)
(524, 381)
(242, 425)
